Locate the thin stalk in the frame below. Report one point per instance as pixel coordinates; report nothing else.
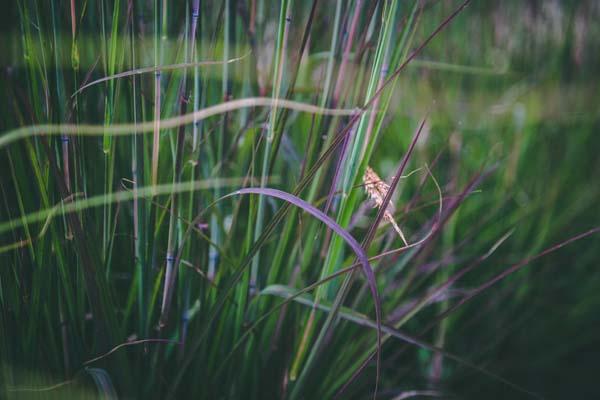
(157, 95)
(280, 50)
(192, 55)
(139, 234)
(61, 108)
(171, 262)
(66, 348)
(346, 54)
(108, 144)
(194, 58)
(215, 231)
(331, 55)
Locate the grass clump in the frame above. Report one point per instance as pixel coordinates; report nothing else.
(187, 196)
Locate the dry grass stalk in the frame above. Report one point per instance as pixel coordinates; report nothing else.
(377, 189)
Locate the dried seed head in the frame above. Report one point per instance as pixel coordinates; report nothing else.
(377, 189)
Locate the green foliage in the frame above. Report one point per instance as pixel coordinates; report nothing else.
(128, 269)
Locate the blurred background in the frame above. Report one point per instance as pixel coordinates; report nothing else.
(511, 88)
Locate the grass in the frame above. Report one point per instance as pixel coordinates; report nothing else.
(184, 210)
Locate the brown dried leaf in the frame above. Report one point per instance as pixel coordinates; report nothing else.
(377, 189)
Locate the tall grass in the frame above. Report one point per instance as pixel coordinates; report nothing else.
(184, 210)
